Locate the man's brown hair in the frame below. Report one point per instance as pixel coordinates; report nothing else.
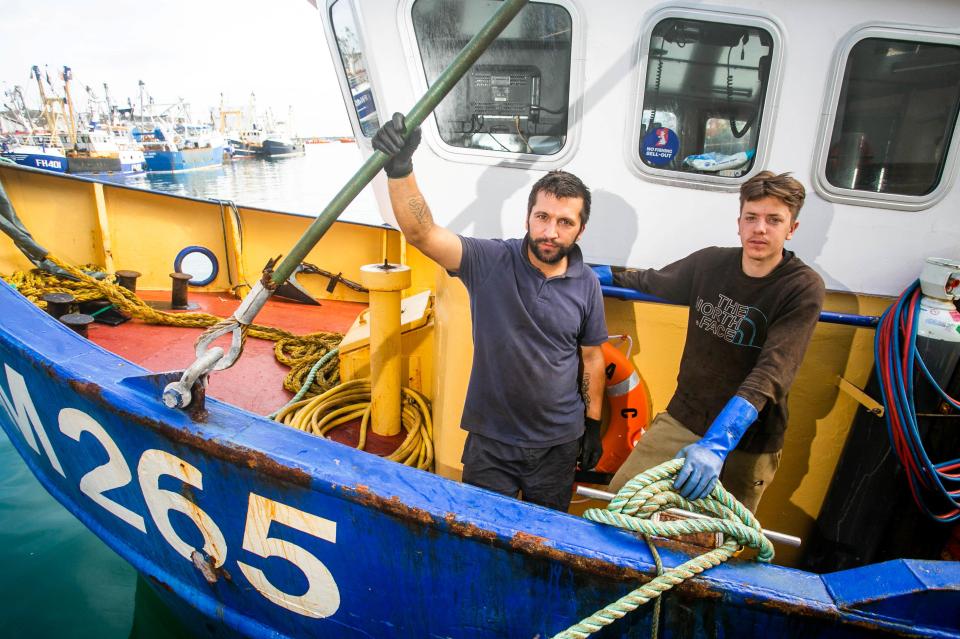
(561, 184)
(768, 184)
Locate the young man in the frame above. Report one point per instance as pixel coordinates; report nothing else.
(536, 307)
(752, 312)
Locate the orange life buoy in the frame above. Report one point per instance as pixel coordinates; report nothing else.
(630, 406)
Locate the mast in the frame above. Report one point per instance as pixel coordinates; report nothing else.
(93, 105)
(252, 111)
(237, 120)
(47, 106)
(67, 76)
(110, 107)
(18, 108)
(142, 86)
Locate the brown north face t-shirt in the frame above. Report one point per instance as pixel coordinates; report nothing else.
(745, 336)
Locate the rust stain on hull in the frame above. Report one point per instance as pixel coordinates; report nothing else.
(237, 455)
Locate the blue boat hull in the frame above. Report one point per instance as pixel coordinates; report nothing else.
(55, 163)
(183, 160)
(248, 527)
(278, 149)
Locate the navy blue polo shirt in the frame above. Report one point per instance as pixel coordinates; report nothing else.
(526, 332)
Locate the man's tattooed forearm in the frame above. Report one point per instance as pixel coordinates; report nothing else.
(585, 390)
(418, 206)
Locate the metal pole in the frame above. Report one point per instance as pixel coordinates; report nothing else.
(772, 535)
(434, 95)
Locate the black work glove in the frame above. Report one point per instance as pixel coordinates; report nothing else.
(591, 448)
(389, 139)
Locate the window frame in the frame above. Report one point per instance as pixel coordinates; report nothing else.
(702, 181)
(345, 91)
(834, 89)
(431, 132)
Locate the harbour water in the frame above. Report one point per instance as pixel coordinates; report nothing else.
(302, 184)
(57, 579)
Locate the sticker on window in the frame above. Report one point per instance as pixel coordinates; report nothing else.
(660, 146)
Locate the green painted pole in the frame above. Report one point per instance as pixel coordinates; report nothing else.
(434, 95)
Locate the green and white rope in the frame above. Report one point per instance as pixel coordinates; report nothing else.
(308, 382)
(634, 505)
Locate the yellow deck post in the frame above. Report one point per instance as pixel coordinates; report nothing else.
(385, 281)
(103, 226)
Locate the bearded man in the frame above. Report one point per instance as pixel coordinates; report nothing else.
(537, 309)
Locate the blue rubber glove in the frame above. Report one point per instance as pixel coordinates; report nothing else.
(604, 273)
(704, 460)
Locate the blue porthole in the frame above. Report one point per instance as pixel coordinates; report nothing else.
(198, 261)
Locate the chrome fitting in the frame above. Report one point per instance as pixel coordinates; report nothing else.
(179, 394)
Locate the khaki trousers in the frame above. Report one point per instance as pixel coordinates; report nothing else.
(744, 475)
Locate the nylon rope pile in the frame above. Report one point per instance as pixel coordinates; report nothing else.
(935, 487)
(299, 352)
(351, 400)
(631, 509)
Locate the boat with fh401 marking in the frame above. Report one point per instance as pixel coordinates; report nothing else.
(25, 145)
(247, 526)
(38, 156)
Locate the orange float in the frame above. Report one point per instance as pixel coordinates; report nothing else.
(629, 404)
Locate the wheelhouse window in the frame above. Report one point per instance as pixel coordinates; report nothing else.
(704, 93)
(354, 66)
(895, 117)
(514, 99)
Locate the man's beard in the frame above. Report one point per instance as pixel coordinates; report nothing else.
(561, 251)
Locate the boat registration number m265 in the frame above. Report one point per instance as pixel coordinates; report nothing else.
(322, 596)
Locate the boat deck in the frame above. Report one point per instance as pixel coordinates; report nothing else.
(255, 381)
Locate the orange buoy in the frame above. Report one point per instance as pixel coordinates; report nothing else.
(628, 400)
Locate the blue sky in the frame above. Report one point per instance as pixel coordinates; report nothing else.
(181, 49)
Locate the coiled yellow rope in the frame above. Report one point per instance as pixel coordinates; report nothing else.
(632, 507)
(351, 400)
(299, 352)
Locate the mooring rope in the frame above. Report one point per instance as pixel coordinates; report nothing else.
(634, 505)
(299, 352)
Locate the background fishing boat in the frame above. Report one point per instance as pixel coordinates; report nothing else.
(99, 152)
(172, 140)
(165, 150)
(280, 140)
(278, 146)
(21, 142)
(38, 156)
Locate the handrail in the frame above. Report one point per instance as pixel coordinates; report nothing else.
(827, 317)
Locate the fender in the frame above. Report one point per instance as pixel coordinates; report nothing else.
(629, 404)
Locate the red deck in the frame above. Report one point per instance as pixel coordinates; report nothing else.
(255, 381)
